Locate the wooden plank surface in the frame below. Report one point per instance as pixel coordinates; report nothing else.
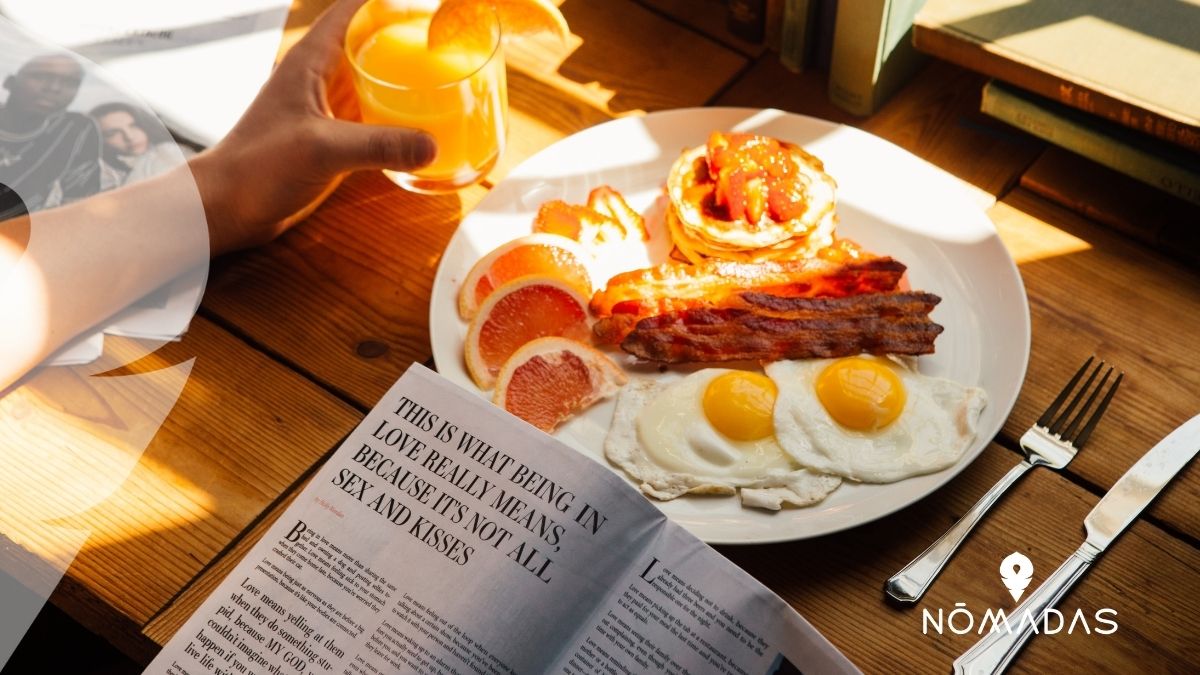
(344, 296)
(173, 615)
(243, 430)
(1094, 291)
(631, 58)
(708, 17)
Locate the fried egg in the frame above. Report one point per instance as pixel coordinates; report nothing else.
(872, 419)
(710, 433)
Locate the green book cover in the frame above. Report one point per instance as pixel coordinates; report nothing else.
(873, 53)
(1152, 161)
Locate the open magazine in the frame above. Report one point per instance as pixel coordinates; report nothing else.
(447, 536)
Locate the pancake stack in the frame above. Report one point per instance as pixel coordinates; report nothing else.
(702, 227)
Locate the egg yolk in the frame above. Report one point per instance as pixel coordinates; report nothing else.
(741, 405)
(861, 394)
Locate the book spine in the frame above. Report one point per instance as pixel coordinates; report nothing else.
(1143, 164)
(857, 38)
(796, 34)
(821, 33)
(872, 52)
(957, 48)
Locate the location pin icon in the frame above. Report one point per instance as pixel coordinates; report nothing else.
(1015, 571)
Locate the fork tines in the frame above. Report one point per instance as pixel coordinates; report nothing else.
(1053, 422)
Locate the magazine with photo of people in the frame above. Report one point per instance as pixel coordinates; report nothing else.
(68, 132)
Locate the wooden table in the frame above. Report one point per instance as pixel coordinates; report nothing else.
(296, 340)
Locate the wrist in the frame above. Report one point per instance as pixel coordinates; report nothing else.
(217, 197)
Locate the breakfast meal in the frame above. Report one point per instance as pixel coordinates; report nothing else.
(820, 337)
(548, 254)
(606, 218)
(632, 296)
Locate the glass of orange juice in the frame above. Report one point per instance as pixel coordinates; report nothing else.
(456, 92)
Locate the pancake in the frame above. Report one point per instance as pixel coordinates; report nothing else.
(703, 227)
(803, 245)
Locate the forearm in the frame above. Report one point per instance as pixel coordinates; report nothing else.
(85, 261)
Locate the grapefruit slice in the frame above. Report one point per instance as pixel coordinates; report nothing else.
(551, 378)
(522, 310)
(467, 22)
(535, 254)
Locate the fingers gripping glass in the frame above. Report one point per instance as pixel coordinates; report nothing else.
(456, 92)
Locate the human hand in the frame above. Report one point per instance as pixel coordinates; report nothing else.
(289, 151)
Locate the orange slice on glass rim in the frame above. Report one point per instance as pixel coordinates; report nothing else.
(518, 312)
(535, 254)
(469, 22)
(551, 378)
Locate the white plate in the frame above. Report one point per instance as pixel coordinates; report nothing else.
(889, 201)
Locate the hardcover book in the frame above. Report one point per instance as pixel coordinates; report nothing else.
(872, 53)
(1134, 63)
(1147, 159)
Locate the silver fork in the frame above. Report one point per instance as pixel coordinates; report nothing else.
(1052, 441)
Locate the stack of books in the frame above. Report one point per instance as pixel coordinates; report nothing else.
(1114, 81)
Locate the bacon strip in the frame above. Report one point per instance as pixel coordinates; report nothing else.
(768, 328)
(674, 286)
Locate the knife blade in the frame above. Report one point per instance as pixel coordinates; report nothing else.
(1112, 514)
(1142, 483)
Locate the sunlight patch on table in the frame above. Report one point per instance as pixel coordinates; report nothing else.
(69, 442)
(1029, 239)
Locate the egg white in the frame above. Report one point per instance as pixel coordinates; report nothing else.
(938, 423)
(662, 439)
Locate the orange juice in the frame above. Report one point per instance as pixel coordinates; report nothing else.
(457, 93)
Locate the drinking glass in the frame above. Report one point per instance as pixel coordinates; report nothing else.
(456, 92)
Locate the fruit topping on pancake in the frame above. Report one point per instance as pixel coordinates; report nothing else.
(744, 195)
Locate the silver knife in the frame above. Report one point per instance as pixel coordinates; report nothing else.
(1115, 511)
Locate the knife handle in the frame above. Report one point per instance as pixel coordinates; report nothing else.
(910, 583)
(996, 652)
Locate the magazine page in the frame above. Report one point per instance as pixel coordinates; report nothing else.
(683, 608)
(175, 55)
(107, 138)
(443, 535)
(422, 547)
